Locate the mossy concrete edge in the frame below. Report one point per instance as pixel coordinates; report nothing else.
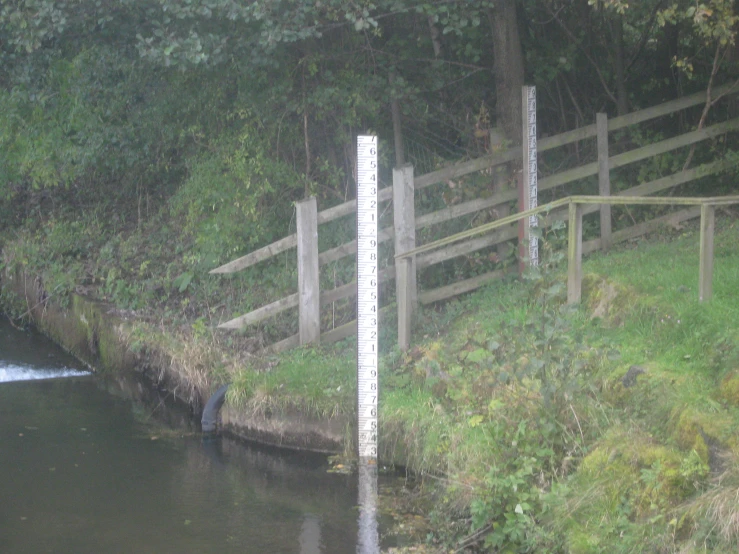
(94, 333)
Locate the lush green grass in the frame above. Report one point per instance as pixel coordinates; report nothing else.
(538, 431)
(319, 382)
(606, 427)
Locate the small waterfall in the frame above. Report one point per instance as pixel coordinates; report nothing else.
(10, 372)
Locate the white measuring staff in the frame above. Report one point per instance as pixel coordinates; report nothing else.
(367, 296)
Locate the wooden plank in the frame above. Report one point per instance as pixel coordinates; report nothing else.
(404, 223)
(465, 208)
(673, 143)
(350, 248)
(259, 255)
(349, 329)
(291, 241)
(564, 177)
(645, 227)
(461, 287)
(350, 207)
(675, 179)
(262, 313)
(568, 137)
(309, 290)
(486, 162)
(705, 278)
(350, 289)
(335, 254)
(464, 168)
(604, 179)
(341, 332)
(270, 310)
(574, 254)
(286, 344)
(467, 247)
(339, 293)
(666, 108)
(336, 212)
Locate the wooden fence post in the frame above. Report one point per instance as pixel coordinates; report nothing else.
(705, 279)
(604, 179)
(309, 293)
(574, 254)
(404, 222)
(405, 303)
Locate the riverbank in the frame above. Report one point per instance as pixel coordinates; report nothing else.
(93, 462)
(111, 340)
(605, 428)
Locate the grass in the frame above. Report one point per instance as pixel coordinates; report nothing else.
(314, 381)
(606, 428)
(536, 427)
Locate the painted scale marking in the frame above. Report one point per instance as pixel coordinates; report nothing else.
(367, 296)
(533, 183)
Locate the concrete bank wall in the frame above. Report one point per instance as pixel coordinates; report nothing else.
(95, 334)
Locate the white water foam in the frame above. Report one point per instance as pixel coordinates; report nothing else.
(9, 373)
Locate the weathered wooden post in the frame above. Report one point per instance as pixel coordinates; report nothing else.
(574, 254)
(705, 279)
(309, 293)
(404, 223)
(604, 179)
(405, 304)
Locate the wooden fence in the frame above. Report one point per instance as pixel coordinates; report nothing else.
(309, 298)
(575, 206)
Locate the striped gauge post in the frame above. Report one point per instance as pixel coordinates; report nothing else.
(531, 170)
(367, 296)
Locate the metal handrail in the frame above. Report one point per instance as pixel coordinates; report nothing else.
(649, 200)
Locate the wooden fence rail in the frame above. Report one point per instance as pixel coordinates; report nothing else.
(310, 298)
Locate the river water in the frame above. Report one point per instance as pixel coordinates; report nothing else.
(96, 466)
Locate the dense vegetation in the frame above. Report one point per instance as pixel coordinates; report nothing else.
(145, 142)
(541, 427)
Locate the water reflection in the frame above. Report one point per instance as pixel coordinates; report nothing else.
(85, 469)
(368, 540)
(310, 535)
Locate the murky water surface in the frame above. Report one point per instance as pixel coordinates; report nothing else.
(86, 470)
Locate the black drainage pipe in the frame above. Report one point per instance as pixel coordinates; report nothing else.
(209, 421)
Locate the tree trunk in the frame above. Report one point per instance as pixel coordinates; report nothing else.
(508, 66)
(435, 40)
(509, 75)
(622, 97)
(397, 124)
